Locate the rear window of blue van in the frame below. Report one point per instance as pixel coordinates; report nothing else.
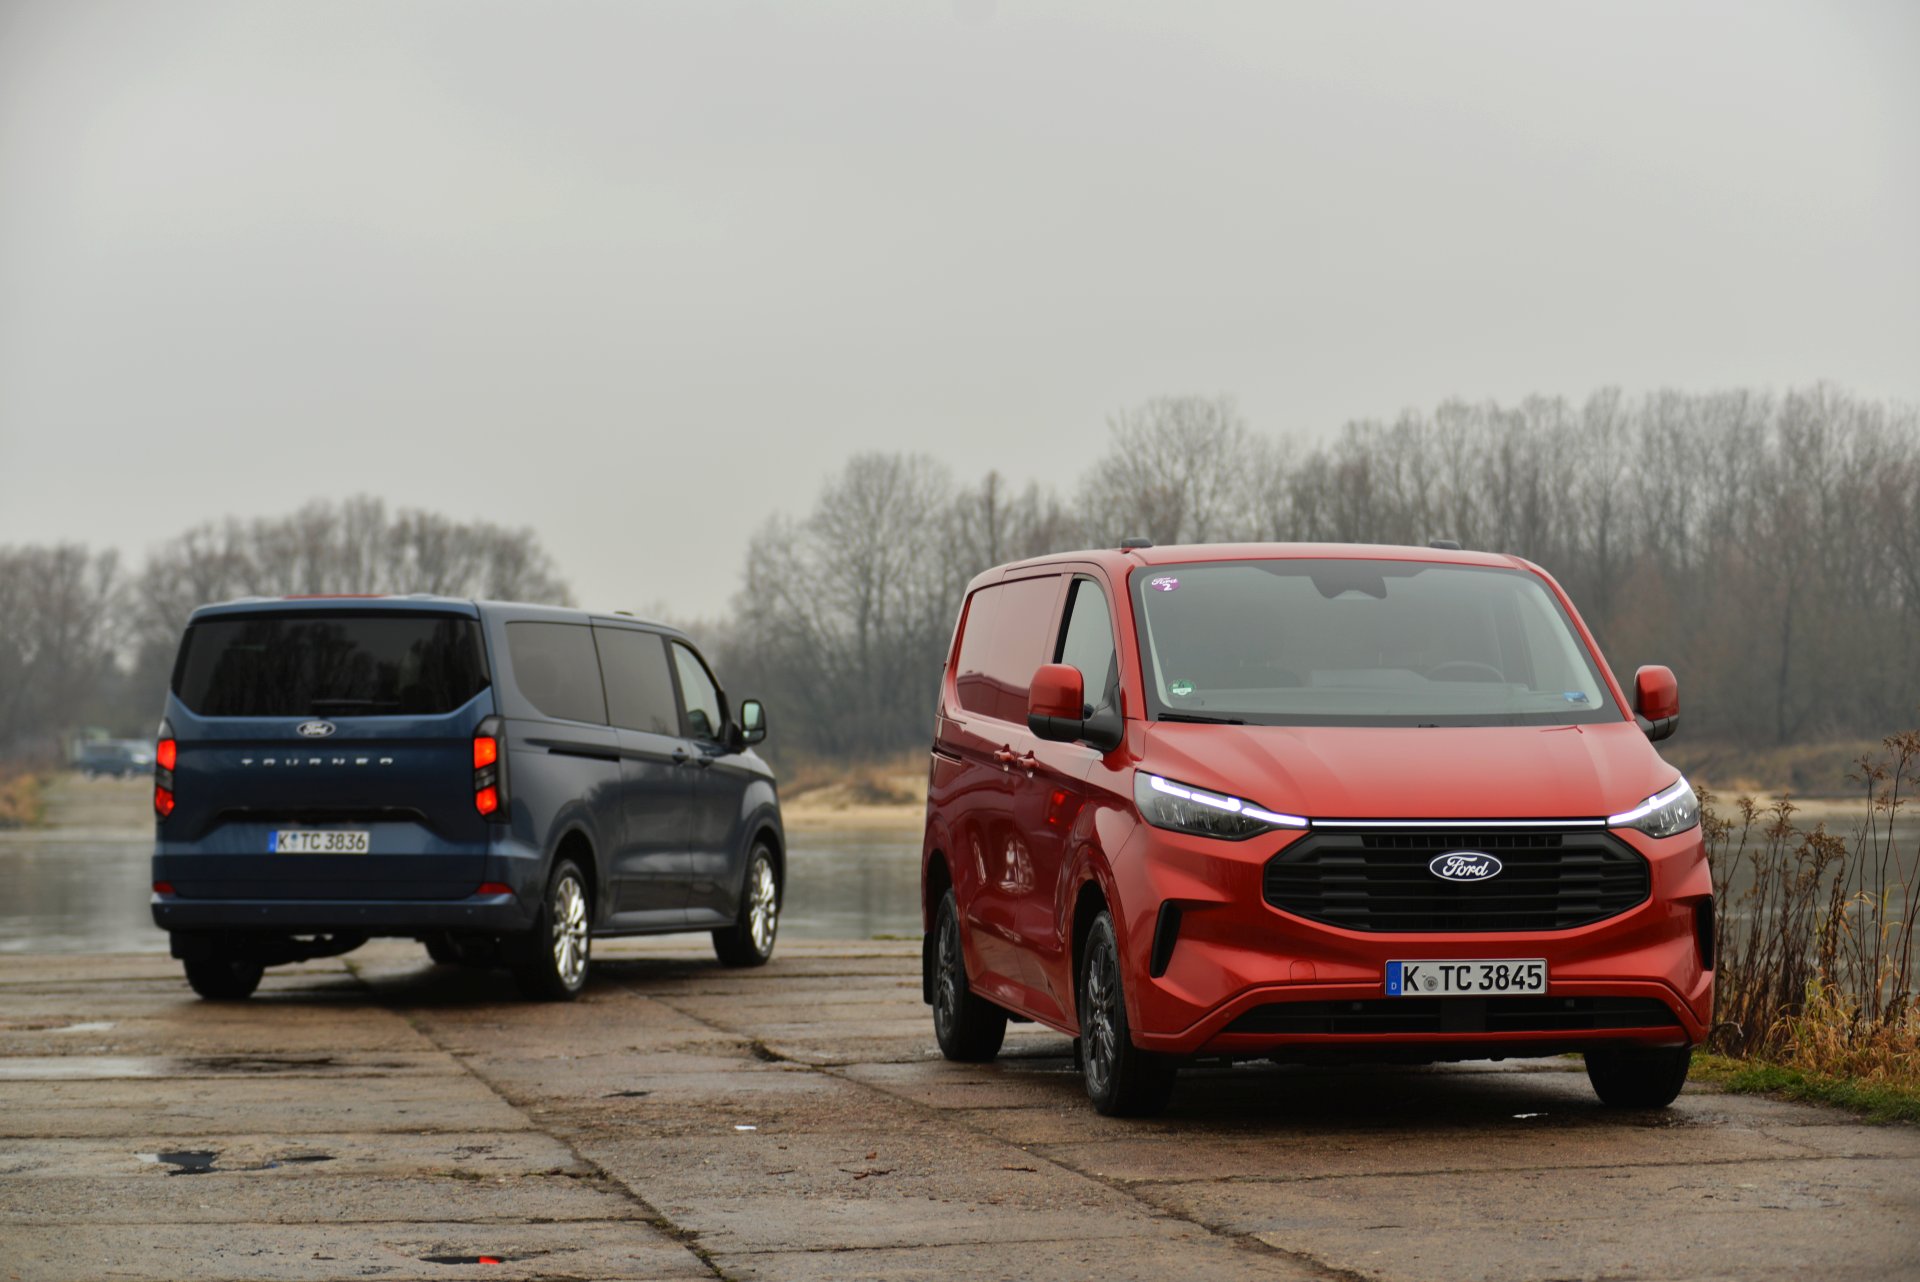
(334, 664)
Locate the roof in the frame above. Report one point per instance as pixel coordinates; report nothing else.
(1121, 560)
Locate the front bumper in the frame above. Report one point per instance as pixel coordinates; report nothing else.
(1235, 953)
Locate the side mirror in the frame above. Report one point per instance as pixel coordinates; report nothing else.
(1057, 710)
(1656, 701)
(753, 722)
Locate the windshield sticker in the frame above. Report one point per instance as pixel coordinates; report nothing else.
(1574, 696)
(1163, 583)
(1181, 688)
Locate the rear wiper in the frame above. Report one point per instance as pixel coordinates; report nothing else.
(1196, 719)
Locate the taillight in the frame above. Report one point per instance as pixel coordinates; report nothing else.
(490, 769)
(165, 753)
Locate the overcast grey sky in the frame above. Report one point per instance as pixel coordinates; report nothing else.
(635, 274)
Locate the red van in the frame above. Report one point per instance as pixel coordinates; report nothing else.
(1301, 801)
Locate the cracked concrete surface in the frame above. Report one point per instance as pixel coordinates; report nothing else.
(377, 1116)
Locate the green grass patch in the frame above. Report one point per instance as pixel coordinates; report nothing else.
(1875, 1101)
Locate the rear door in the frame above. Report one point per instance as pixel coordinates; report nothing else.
(335, 722)
(656, 788)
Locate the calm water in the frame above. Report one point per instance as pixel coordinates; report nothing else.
(81, 891)
(83, 888)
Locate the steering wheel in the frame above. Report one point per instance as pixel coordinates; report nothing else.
(1467, 666)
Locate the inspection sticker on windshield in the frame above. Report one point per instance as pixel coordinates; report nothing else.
(308, 841)
(1163, 583)
(1463, 978)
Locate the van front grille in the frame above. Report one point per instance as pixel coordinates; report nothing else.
(1379, 880)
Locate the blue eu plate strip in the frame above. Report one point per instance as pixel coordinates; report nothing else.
(1393, 979)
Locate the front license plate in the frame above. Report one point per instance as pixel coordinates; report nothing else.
(307, 841)
(1465, 978)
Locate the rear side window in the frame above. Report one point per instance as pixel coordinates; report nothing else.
(1008, 628)
(332, 664)
(557, 669)
(639, 684)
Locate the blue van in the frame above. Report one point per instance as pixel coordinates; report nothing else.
(501, 782)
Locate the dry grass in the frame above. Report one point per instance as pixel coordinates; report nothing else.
(818, 784)
(22, 804)
(1816, 955)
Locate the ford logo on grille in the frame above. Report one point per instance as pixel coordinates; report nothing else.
(1464, 865)
(315, 729)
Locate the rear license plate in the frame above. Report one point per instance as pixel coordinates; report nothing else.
(1465, 978)
(305, 841)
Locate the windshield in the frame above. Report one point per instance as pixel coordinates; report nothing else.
(331, 664)
(1382, 643)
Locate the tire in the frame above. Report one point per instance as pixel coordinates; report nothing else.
(1122, 1080)
(224, 979)
(969, 1029)
(551, 961)
(749, 941)
(1638, 1076)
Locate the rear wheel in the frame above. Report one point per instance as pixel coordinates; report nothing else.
(749, 941)
(550, 962)
(221, 978)
(969, 1029)
(1122, 1080)
(1638, 1076)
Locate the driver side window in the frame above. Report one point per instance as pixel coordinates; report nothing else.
(1086, 641)
(706, 715)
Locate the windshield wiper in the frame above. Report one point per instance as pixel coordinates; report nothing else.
(1196, 719)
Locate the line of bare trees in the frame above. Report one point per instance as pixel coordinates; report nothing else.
(1767, 547)
(85, 643)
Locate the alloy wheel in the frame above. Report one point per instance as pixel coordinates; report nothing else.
(569, 931)
(763, 909)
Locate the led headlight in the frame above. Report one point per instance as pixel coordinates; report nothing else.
(1663, 814)
(1166, 804)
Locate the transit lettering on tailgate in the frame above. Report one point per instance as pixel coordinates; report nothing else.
(1466, 978)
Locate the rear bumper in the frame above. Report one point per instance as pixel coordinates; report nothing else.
(492, 914)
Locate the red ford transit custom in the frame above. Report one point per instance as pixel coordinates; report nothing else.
(1299, 801)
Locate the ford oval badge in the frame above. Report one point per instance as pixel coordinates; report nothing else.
(1464, 865)
(315, 729)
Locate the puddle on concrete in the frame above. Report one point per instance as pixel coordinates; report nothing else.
(625, 1094)
(75, 1067)
(469, 1259)
(262, 1063)
(186, 1161)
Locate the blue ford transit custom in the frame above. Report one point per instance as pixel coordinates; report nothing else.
(502, 782)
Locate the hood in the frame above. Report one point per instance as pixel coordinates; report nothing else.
(1439, 772)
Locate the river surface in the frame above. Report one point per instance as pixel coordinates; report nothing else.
(82, 885)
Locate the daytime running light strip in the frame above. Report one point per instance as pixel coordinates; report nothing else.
(1651, 804)
(1232, 805)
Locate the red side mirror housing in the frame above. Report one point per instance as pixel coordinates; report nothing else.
(1058, 690)
(1656, 698)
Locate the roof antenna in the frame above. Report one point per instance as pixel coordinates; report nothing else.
(1445, 545)
(1136, 542)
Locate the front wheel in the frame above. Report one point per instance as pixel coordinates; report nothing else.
(1122, 1080)
(749, 941)
(221, 978)
(969, 1028)
(1638, 1076)
(550, 962)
